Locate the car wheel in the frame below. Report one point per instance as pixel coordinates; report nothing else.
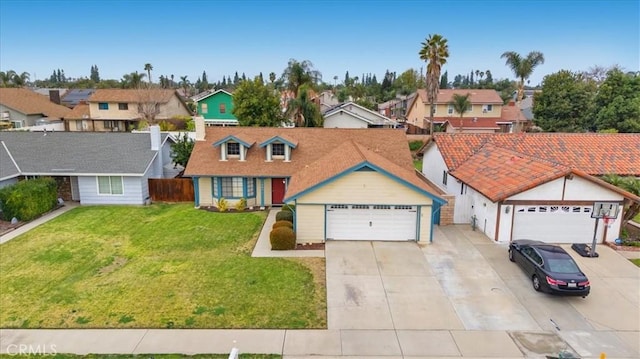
(511, 255)
(536, 283)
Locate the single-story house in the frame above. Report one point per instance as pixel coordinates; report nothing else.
(23, 108)
(352, 115)
(356, 184)
(533, 186)
(90, 167)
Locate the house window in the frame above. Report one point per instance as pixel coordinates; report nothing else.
(277, 149)
(223, 108)
(110, 185)
(123, 106)
(450, 109)
(231, 187)
(444, 177)
(233, 149)
(111, 125)
(214, 184)
(103, 106)
(251, 187)
(79, 125)
(205, 108)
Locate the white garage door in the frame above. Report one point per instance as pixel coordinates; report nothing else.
(554, 224)
(372, 222)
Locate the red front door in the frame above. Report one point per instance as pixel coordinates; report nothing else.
(278, 186)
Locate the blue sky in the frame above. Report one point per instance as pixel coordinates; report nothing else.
(187, 37)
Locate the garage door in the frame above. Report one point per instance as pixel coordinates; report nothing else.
(554, 224)
(372, 222)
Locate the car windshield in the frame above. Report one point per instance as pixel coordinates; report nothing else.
(562, 265)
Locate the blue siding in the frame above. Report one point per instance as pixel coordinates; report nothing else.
(8, 182)
(135, 191)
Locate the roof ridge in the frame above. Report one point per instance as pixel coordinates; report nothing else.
(522, 155)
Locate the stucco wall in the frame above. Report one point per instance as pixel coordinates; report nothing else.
(344, 120)
(310, 222)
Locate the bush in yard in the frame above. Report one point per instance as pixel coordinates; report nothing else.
(289, 207)
(282, 224)
(284, 216)
(223, 205)
(27, 200)
(241, 204)
(282, 238)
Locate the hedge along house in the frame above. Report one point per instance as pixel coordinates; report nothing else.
(89, 167)
(216, 107)
(355, 184)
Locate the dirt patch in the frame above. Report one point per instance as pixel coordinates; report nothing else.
(118, 262)
(233, 210)
(6, 226)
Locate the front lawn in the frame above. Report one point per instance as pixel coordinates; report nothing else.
(159, 266)
(637, 218)
(635, 261)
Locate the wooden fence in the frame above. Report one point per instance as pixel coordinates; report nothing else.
(171, 190)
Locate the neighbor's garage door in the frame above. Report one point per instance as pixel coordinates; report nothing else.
(554, 224)
(371, 222)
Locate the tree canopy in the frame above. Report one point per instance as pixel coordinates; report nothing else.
(255, 104)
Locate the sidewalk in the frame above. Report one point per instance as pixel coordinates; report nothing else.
(36, 222)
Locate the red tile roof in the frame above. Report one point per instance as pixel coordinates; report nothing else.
(470, 122)
(592, 153)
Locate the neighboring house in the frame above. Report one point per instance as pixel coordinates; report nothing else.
(526, 106)
(119, 110)
(355, 184)
(352, 115)
(396, 108)
(23, 108)
(326, 100)
(510, 116)
(485, 104)
(92, 168)
(533, 186)
(73, 97)
(216, 107)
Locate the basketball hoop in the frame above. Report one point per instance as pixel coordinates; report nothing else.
(608, 221)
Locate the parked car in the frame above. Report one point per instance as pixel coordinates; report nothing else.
(550, 268)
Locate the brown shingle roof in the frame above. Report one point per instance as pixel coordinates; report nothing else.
(335, 163)
(80, 112)
(478, 96)
(592, 153)
(313, 144)
(31, 103)
(132, 95)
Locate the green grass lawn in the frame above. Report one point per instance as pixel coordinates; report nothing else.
(417, 164)
(159, 266)
(635, 261)
(637, 218)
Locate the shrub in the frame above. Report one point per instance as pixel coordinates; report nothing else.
(27, 200)
(282, 238)
(223, 205)
(415, 145)
(284, 216)
(283, 224)
(241, 204)
(289, 207)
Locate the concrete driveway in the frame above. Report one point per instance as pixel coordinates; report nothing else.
(462, 291)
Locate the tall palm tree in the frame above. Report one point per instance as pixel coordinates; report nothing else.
(6, 78)
(148, 67)
(303, 110)
(20, 80)
(435, 52)
(298, 74)
(522, 67)
(461, 104)
(184, 83)
(132, 80)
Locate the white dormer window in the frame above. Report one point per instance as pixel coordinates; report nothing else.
(277, 149)
(233, 149)
(487, 108)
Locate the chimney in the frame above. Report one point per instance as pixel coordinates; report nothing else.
(512, 103)
(155, 137)
(54, 96)
(200, 130)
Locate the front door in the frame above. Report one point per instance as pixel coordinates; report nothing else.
(278, 186)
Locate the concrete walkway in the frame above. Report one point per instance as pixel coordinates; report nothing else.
(33, 224)
(263, 245)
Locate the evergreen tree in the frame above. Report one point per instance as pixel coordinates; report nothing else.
(95, 76)
(347, 80)
(471, 82)
(244, 77)
(236, 78)
(444, 80)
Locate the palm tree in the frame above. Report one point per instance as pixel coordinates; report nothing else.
(435, 52)
(6, 78)
(185, 85)
(148, 68)
(298, 74)
(132, 80)
(21, 79)
(461, 104)
(522, 68)
(272, 77)
(304, 111)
